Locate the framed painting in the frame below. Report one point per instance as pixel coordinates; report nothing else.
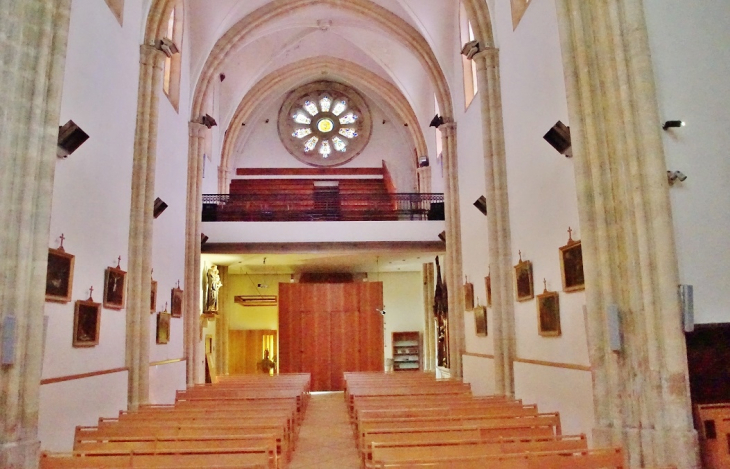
(87, 319)
(548, 314)
(468, 296)
(488, 285)
(176, 302)
(523, 281)
(153, 297)
(114, 288)
(59, 276)
(480, 320)
(163, 328)
(571, 266)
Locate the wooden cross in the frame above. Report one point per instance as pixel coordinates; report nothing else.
(570, 234)
(165, 306)
(60, 248)
(91, 293)
(119, 261)
(178, 284)
(544, 282)
(520, 252)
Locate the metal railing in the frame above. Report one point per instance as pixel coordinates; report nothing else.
(313, 207)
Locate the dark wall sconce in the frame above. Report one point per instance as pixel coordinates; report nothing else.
(70, 137)
(559, 138)
(208, 121)
(672, 124)
(437, 121)
(674, 176)
(160, 207)
(481, 204)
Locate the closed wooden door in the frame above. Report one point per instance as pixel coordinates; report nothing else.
(246, 350)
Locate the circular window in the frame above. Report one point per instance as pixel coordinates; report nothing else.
(324, 124)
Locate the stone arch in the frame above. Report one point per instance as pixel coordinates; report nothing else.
(481, 21)
(292, 75)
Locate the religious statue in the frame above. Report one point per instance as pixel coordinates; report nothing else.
(214, 284)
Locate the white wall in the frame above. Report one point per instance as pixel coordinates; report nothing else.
(689, 47)
(403, 304)
(543, 204)
(91, 203)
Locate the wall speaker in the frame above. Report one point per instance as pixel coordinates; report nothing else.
(208, 121)
(8, 341)
(422, 161)
(559, 137)
(442, 236)
(686, 304)
(70, 137)
(160, 207)
(481, 204)
(614, 328)
(203, 239)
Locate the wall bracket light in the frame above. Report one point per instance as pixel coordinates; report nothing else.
(673, 124)
(437, 121)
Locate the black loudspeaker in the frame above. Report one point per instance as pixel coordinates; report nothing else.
(160, 207)
(481, 204)
(70, 137)
(442, 236)
(422, 161)
(437, 121)
(203, 238)
(559, 137)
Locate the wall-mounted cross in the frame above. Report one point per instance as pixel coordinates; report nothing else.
(60, 248)
(119, 261)
(520, 252)
(91, 293)
(544, 282)
(570, 234)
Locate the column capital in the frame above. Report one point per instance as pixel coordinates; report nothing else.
(150, 55)
(488, 56)
(196, 129)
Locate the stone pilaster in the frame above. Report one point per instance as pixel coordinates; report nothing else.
(453, 261)
(499, 235)
(139, 259)
(221, 324)
(192, 307)
(33, 51)
(641, 394)
(429, 330)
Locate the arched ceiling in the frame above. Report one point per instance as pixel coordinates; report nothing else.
(408, 43)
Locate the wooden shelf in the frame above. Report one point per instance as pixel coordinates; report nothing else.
(407, 351)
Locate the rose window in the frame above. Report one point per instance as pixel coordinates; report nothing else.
(324, 124)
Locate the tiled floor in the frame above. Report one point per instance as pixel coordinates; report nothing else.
(326, 440)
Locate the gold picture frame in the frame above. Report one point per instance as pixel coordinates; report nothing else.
(176, 303)
(59, 276)
(571, 266)
(87, 323)
(468, 296)
(480, 321)
(163, 327)
(153, 297)
(548, 314)
(524, 289)
(115, 288)
(488, 286)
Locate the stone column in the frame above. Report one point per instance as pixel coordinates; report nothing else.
(33, 51)
(429, 330)
(139, 282)
(499, 235)
(221, 324)
(453, 264)
(192, 307)
(223, 180)
(641, 394)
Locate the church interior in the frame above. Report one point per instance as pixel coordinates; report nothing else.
(521, 200)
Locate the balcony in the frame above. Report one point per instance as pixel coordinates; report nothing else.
(322, 204)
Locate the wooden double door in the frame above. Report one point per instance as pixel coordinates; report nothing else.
(327, 329)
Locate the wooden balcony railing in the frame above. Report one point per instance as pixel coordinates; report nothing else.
(322, 206)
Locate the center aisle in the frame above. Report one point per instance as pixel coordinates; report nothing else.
(325, 438)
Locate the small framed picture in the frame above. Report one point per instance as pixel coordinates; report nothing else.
(488, 285)
(480, 320)
(153, 297)
(571, 266)
(548, 314)
(87, 319)
(59, 276)
(523, 281)
(114, 288)
(468, 296)
(176, 301)
(163, 327)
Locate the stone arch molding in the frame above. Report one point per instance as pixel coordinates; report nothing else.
(289, 77)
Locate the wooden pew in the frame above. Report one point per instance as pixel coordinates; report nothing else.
(603, 458)
(390, 452)
(253, 458)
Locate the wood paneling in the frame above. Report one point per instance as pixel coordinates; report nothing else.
(245, 350)
(327, 329)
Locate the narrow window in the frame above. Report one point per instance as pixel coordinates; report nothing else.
(469, 66)
(171, 70)
(117, 7)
